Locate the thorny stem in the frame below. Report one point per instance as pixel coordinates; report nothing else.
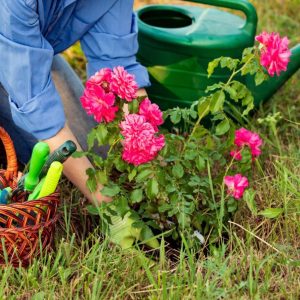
(112, 145)
(222, 195)
(234, 73)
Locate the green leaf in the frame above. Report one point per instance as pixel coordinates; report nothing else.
(249, 196)
(232, 205)
(78, 154)
(223, 127)
(271, 213)
(102, 177)
(121, 205)
(170, 188)
(143, 175)
(133, 106)
(190, 154)
(217, 101)
(164, 207)
(110, 191)
(146, 235)
(101, 134)
(240, 89)
(260, 77)
(91, 138)
(212, 65)
(203, 107)
(97, 160)
(132, 174)
(178, 170)
(175, 116)
(136, 196)
(219, 117)
(120, 164)
(91, 183)
(200, 163)
(251, 68)
(231, 91)
(246, 53)
(152, 189)
(200, 131)
(214, 87)
(93, 210)
(230, 63)
(193, 114)
(184, 220)
(249, 102)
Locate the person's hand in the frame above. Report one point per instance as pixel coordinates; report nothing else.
(75, 168)
(141, 92)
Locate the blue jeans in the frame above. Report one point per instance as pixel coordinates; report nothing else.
(70, 89)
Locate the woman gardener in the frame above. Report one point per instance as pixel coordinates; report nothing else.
(38, 89)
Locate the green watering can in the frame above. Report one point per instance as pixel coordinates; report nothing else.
(176, 43)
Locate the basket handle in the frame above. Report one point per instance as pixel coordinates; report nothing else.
(11, 157)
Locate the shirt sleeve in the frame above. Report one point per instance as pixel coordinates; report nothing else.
(112, 42)
(25, 71)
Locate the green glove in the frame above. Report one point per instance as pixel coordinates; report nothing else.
(122, 232)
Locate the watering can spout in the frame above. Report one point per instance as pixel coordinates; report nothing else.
(268, 88)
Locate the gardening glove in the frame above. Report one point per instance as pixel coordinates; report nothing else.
(122, 232)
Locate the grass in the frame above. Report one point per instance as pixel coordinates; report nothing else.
(261, 259)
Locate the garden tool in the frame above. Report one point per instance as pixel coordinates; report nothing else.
(48, 184)
(34, 195)
(60, 155)
(51, 179)
(176, 43)
(5, 195)
(39, 156)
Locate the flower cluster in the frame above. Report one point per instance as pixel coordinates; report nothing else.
(151, 112)
(99, 98)
(237, 184)
(275, 54)
(244, 137)
(105, 93)
(123, 84)
(140, 143)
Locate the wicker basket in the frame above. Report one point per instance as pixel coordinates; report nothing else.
(26, 227)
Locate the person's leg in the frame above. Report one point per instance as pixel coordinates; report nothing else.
(70, 88)
(23, 141)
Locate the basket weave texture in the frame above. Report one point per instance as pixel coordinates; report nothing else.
(26, 227)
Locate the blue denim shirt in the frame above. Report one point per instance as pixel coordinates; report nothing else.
(33, 31)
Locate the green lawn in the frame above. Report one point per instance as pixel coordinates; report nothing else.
(261, 259)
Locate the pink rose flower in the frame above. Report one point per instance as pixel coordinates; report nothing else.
(101, 78)
(123, 84)
(140, 143)
(275, 54)
(98, 103)
(236, 154)
(236, 185)
(151, 112)
(244, 137)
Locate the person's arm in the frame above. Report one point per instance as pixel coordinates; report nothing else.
(25, 72)
(25, 63)
(74, 168)
(112, 41)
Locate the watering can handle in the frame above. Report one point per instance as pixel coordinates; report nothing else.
(243, 5)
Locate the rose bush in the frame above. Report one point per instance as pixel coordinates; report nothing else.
(190, 180)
